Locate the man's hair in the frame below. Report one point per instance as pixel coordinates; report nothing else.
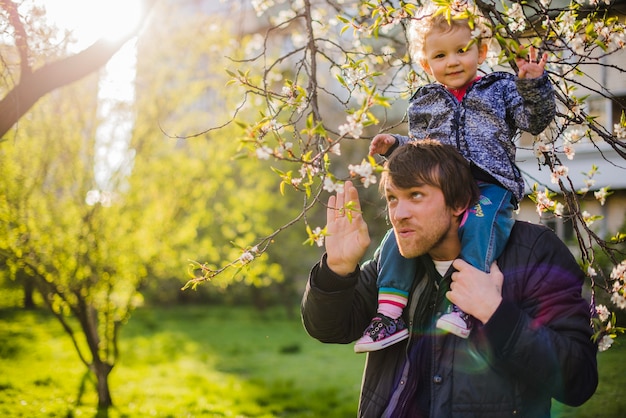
(430, 162)
(431, 18)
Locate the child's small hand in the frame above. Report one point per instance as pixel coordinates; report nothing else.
(381, 144)
(531, 68)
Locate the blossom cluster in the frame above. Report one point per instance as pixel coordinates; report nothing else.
(366, 171)
(605, 320)
(618, 275)
(353, 125)
(620, 131)
(248, 255)
(544, 203)
(572, 33)
(515, 18)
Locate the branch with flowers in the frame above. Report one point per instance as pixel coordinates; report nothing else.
(329, 74)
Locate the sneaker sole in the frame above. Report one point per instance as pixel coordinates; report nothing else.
(379, 345)
(453, 328)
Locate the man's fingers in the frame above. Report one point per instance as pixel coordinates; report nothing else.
(497, 275)
(460, 264)
(330, 209)
(353, 195)
(337, 203)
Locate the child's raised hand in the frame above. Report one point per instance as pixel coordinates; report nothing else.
(381, 144)
(531, 67)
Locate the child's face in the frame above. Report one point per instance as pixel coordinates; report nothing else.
(449, 60)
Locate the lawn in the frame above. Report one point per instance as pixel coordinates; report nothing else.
(180, 362)
(207, 361)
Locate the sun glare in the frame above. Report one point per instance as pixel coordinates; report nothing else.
(90, 20)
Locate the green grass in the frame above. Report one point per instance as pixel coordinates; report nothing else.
(180, 362)
(209, 362)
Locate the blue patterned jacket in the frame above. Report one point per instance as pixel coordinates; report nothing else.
(486, 124)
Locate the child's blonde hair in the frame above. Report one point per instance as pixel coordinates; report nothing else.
(434, 18)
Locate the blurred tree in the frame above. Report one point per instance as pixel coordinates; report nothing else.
(225, 201)
(79, 256)
(89, 251)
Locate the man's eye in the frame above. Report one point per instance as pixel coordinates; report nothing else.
(416, 195)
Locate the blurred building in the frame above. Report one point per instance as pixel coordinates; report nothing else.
(604, 85)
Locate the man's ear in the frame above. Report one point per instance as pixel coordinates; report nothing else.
(460, 211)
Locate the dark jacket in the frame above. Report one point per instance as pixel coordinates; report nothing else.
(486, 123)
(537, 346)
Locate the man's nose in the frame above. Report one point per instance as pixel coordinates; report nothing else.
(401, 210)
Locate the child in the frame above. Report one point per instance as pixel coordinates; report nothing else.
(481, 117)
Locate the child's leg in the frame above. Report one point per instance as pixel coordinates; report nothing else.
(395, 277)
(487, 227)
(483, 236)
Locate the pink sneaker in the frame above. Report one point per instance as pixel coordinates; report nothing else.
(456, 322)
(382, 332)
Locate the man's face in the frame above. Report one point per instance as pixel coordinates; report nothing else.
(422, 222)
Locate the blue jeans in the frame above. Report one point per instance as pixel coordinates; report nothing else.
(483, 236)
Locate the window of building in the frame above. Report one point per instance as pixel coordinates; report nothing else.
(618, 105)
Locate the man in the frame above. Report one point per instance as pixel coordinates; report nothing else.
(532, 343)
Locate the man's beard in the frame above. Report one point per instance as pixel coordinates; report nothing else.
(423, 239)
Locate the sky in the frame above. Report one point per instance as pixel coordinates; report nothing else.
(93, 19)
(90, 20)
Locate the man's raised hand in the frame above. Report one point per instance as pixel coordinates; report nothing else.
(347, 236)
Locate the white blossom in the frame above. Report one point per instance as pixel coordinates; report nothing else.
(516, 19)
(573, 135)
(366, 171)
(246, 257)
(618, 300)
(605, 343)
(619, 272)
(331, 186)
(255, 44)
(319, 237)
(557, 173)
(603, 313)
(264, 152)
(353, 127)
(587, 218)
(543, 202)
(558, 209)
(620, 131)
(353, 75)
(261, 6)
(601, 195)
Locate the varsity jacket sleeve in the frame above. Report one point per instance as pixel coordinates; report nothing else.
(536, 107)
(541, 332)
(336, 309)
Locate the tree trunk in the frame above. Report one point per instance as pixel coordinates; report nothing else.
(28, 284)
(29, 289)
(102, 371)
